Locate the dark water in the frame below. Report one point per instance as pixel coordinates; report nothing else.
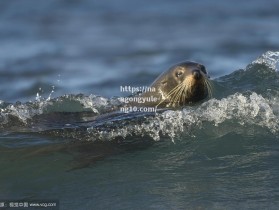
(220, 154)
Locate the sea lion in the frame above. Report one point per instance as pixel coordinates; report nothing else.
(182, 84)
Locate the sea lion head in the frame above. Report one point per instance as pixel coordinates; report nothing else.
(182, 84)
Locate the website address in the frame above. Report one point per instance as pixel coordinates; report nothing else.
(19, 204)
(142, 89)
(138, 99)
(137, 109)
(45, 205)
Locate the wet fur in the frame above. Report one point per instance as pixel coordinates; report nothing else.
(175, 91)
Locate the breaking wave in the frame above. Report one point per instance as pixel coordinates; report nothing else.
(244, 102)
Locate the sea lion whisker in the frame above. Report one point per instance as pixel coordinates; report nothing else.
(209, 88)
(173, 91)
(184, 94)
(175, 97)
(188, 86)
(179, 93)
(188, 83)
(183, 83)
(185, 90)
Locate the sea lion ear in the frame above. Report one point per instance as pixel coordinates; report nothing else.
(164, 82)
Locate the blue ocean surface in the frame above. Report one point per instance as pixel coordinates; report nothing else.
(62, 64)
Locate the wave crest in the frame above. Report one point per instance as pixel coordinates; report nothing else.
(243, 101)
(270, 59)
(250, 110)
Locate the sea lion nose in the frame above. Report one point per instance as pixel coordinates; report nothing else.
(197, 74)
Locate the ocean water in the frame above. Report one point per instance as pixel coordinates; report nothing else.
(62, 64)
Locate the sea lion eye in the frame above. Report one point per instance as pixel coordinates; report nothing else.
(203, 69)
(178, 73)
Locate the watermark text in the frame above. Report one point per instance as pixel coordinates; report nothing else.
(142, 89)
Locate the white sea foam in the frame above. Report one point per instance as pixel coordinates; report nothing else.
(270, 58)
(245, 110)
(249, 109)
(24, 112)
